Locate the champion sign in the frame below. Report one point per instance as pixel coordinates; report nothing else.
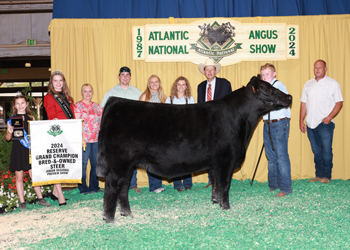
(56, 151)
(224, 40)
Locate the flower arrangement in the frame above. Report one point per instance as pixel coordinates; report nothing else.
(8, 192)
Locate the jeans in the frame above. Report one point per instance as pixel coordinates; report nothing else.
(133, 182)
(321, 139)
(187, 181)
(154, 181)
(279, 164)
(90, 152)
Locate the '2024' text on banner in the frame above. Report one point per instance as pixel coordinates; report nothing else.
(224, 40)
(56, 151)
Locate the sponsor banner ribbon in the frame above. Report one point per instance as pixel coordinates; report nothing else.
(219, 53)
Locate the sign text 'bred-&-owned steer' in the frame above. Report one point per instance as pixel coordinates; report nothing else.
(175, 140)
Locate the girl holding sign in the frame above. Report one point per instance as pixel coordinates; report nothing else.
(59, 105)
(20, 148)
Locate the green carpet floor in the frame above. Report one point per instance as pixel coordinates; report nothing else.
(314, 216)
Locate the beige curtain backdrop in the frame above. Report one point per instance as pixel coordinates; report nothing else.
(93, 50)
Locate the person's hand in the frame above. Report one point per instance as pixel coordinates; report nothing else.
(302, 127)
(327, 120)
(10, 130)
(55, 119)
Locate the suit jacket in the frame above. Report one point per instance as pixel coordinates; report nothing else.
(222, 88)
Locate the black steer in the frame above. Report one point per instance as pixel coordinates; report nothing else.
(175, 140)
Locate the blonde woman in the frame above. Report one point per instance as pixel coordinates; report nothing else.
(154, 93)
(91, 112)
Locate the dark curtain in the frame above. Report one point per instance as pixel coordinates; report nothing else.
(195, 8)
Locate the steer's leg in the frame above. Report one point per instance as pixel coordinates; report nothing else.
(110, 197)
(214, 186)
(225, 188)
(223, 173)
(224, 184)
(123, 199)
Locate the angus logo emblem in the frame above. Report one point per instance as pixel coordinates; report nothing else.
(55, 130)
(216, 41)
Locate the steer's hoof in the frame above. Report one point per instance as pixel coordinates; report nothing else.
(126, 214)
(225, 207)
(108, 220)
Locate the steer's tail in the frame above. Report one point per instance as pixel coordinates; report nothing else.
(102, 168)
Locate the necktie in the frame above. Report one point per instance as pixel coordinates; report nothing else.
(209, 94)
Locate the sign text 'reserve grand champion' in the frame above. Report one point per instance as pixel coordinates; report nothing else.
(56, 157)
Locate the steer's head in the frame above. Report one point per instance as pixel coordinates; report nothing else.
(271, 97)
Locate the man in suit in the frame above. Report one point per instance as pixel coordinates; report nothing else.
(213, 88)
(220, 87)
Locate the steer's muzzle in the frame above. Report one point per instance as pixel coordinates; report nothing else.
(283, 101)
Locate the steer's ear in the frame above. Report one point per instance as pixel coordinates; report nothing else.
(251, 84)
(254, 90)
(252, 79)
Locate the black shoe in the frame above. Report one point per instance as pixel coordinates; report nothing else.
(53, 197)
(187, 188)
(180, 189)
(63, 204)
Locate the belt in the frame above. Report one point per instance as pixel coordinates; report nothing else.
(275, 120)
